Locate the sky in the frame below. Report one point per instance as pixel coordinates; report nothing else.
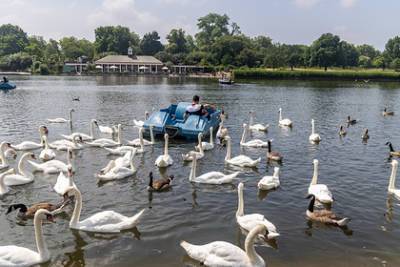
(285, 21)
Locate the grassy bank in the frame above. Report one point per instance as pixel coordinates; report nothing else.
(308, 74)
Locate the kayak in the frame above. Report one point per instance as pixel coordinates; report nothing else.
(7, 86)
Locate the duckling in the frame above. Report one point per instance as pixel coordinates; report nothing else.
(392, 151)
(273, 155)
(25, 213)
(324, 216)
(160, 184)
(342, 131)
(365, 135)
(351, 121)
(387, 113)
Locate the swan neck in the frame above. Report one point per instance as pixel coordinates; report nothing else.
(91, 129)
(2, 156)
(3, 186)
(211, 136)
(314, 179)
(228, 150)
(192, 174)
(77, 209)
(166, 147)
(40, 242)
(312, 127)
(119, 138)
(132, 164)
(392, 180)
(141, 138)
(280, 115)
(240, 209)
(249, 245)
(243, 135)
(151, 135)
(21, 166)
(251, 121)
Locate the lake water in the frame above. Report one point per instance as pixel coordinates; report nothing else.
(356, 173)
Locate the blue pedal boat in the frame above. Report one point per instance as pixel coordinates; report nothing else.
(177, 124)
(7, 86)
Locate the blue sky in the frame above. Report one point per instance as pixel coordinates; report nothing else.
(287, 21)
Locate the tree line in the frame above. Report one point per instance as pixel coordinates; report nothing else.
(218, 43)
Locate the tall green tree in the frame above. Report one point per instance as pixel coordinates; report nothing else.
(12, 39)
(368, 51)
(150, 44)
(72, 48)
(115, 39)
(324, 51)
(177, 41)
(36, 47)
(347, 55)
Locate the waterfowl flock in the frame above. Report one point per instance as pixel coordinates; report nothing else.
(255, 226)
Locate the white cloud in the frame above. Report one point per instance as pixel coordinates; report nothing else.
(306, 3)
(347, 3)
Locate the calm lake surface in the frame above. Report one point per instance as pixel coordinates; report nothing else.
(356, 173)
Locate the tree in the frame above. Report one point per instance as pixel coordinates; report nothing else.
(36, 47)
(177, 42)
(226, 50)
(214, 26)
(275, 57)
(72, 48)
(347, 55)
(115, 39)
(324, 51)
(392, 48)
(368, 51)
(379, 62)
(16, 62)
(396, 64)
(12, 39)
(150, 44)
(364, 62)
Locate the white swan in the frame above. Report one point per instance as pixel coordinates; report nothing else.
(107, 129)
(64, 145)
(270, 182)
(106, 142)
(119, 171)
(199, 155)
(320, 191)
(222, 130)
(85, 137)
(392, 181)
(210, 177)
(139, 123)
(314, 137)
(10, 153)
(23, 176)
(4, 189)
(224, 254)
(4, 162)
(257, 126)
(164, 160)
(241, 160)
(62, 120)
(252, 143)
(140, 141)
(47, 153)
(53, 166)
(121, 150)
(101, 222)
(249, 221)
(20, 256)
(30, 145)
(284, 122)
(207, 145)
(64, 182)
(123, 161)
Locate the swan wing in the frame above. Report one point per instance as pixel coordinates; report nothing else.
(138, 123)
(17, 179)
(249, 221)
(62, 184)
(255, 143)
(321, 193)
(18, 256)
(27, 145)
(243, 161)
(105, 129)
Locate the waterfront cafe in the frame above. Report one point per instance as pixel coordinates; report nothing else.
(129, 64)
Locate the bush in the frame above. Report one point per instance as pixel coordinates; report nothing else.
(44, 70)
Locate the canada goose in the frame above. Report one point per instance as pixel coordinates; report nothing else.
(25, 213)
(392, 151)
(365, 135)
(160, 184)
(273, 155)
(387, 113)
(351, 121)
(342, 131)
(324, 216)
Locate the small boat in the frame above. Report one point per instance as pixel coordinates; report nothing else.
(177, 124)
(226, 81)
(7, 85)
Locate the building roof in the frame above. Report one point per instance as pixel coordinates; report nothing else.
(122, 59)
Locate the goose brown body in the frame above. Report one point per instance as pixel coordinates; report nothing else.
(26, 213)
(324, 216)
(392, 151)
(273, 155)
(160, 184)
(387, 113)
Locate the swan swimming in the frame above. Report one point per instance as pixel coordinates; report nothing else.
(270, 182)
(119, 172)
(284, 122)
(53, 166)
(252, 143)
(257, 126)
(47, 153)
(207, 145)
(392, 181)
(199, 154)
(85, 137)
(320, 191)
(106, 142)
(62, 120)
(30, 145)
(164, 160)
(314, 137)
(241, 160)
(23, 176)
(141, 141)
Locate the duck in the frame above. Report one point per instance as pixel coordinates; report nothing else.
(4, 162)
(4, 189)
(249, 221)
(20, 256)
(365, 135)
(392, 180)
(387, 113)
(199, 154)
(324, 216)
(123, 161)
(106, 142)
(53, 166)
(207, 145)
(284, 122)
(120, 151)
(342, 131)
(212, 177)
(26, 213)
(273, 155)
(85, 137)
(47, 153)
(64, 145)
(62, 120)
(101, 222)
(351, 121)
(30, 145)
(392, 151)
(241, 160)
(221, 253)
(139, 123)
(119, 172)
(23, 176)
(320, 191)
(160, 184)
(270, 182)
(141, 141)
(314, 137)
(257, 126)
(64, 182)
(252, 143)
(164, 160)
